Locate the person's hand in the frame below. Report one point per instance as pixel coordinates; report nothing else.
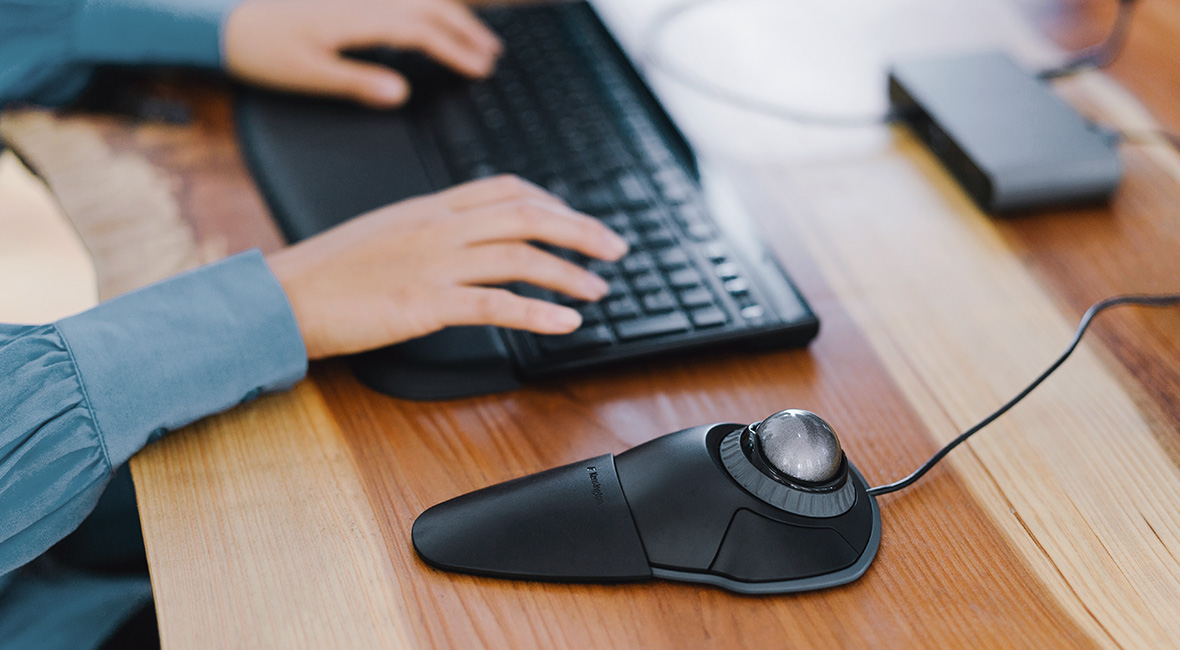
(296, 45)
(417, 266)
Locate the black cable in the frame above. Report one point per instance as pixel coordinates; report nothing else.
(1100, 55)
(651, 56)
(1163, 300)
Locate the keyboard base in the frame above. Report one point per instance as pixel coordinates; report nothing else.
(455, 363)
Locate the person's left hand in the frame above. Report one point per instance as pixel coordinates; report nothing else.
(297, 45)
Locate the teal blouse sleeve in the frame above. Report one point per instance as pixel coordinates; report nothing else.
(49, 48)
(79, 397)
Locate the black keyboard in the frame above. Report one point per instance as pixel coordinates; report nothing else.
(566, 111)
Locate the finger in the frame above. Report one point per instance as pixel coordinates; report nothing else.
(497, 189)
(462, 22)
(543, 222)
(500, 307)
(519, 262)
(370, 84)
(440, 42)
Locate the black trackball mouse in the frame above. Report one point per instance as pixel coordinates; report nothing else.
(772, 507)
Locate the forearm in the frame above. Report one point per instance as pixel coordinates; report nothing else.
(156, 32)
(49, 49)
(81, 396)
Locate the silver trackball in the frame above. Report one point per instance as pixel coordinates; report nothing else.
(800, 445)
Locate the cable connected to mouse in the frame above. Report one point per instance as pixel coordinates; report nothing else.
(771, 507)
(1162, 300)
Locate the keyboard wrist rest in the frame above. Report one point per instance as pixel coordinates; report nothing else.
(454, 363)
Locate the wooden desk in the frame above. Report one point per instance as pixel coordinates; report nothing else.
(286, 523)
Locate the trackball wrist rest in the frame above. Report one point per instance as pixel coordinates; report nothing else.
(670, 508)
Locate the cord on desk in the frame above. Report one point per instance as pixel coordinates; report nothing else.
(1162, 300)
(1101, 55)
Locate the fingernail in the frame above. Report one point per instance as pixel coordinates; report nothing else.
(491, 42)
(391, 89)
(615, 246)
(565, 319)
(487, 65)
(595, 287)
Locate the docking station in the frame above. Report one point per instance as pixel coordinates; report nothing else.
(1009, 140)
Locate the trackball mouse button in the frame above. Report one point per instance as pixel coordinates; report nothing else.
(758, 549)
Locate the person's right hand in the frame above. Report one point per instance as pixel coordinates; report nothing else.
(417, 266)
(298, 45)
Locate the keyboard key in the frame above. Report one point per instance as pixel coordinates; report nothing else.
(701, 231)
(675, 186)
(632, 189)
(689, 214)
(624, 307)
(727, 270)
(708, 317)
(558, 187)
(586, 337)
(697, 297)
(653, 326)
(637, 263)
(753, 312)
(602, 268)
(618, 221)
(737, 286)
(653, 148)
(591, 314)
(648, 220)
(716, 252)
(659, 238)
(672, 258)
(482, 170)
(658, 302)
(595, 200)
(612, 156)
(647, 282)
(685, 278)
(533, 291)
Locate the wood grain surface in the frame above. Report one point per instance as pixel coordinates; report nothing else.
(45, 271)
(961, 326)
(285, 523)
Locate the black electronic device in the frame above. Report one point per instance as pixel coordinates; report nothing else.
(566, 110)
(1003, 133)
(773, 507)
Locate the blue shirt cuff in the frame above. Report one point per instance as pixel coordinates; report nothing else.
(158, 32)
(159, 358)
